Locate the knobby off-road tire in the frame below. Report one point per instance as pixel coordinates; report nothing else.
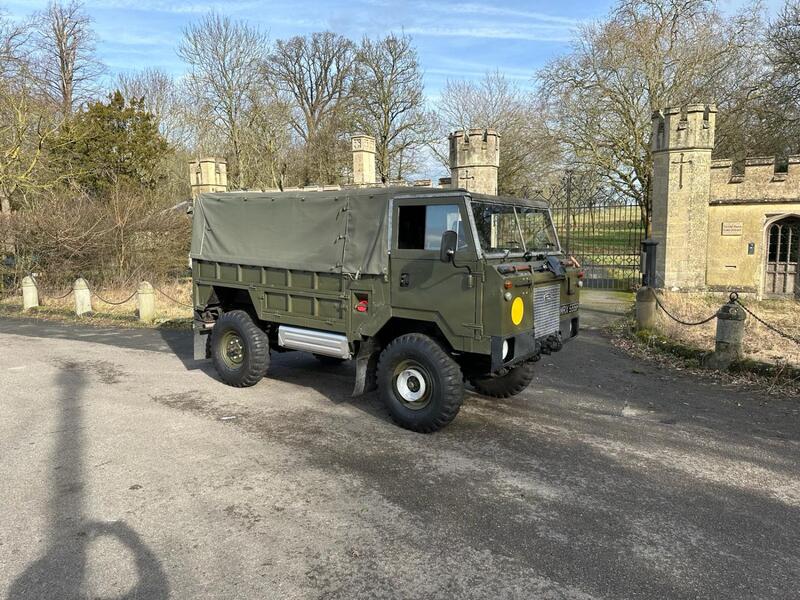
(239, 349)
(505, 386)
(421, 385)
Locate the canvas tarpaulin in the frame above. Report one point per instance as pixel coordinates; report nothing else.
(315, 231)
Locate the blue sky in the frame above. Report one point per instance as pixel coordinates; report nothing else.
(456, 39)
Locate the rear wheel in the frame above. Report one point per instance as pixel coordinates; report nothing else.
(509, 384)
(420, 383)
(239, 349)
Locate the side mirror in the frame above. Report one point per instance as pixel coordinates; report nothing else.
(448, 246)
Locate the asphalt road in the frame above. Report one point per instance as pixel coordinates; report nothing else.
(128, 471)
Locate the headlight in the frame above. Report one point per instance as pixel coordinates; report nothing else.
(505, 349)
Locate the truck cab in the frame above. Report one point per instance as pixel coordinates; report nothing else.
(423, 289)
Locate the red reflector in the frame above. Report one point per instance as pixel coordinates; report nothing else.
(580, 274)
(508, 284)
(362, 306)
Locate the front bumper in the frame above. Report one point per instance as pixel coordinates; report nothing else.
(526, 346)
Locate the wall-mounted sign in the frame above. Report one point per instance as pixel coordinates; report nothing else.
(732, 228)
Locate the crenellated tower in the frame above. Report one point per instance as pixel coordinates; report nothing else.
(208, 174)
(681, 143)
(475, 160)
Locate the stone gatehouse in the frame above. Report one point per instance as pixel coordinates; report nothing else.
(721, 229)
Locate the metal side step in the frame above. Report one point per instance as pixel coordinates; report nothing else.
(310, 340)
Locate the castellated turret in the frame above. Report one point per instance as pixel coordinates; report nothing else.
(475, 160)
(363, 159)
(208, 174)
(682, 141)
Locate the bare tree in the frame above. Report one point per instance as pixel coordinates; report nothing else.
(390, 93)
(161, 97)
(316, 75)
(27, 122)
(775, 126)
(65, 53)
(528, 155)
(269, 144)
(648, 54)
(225, 60)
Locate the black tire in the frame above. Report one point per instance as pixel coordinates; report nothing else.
(329, 361)
(239, 349)
(414, 364)
(505, 386)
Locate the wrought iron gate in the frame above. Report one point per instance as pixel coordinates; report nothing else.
(601, 229)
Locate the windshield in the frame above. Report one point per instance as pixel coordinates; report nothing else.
(537, 228)
(504, 228)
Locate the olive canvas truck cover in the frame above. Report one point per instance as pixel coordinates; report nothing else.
(318, 231)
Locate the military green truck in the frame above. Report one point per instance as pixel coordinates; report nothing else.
(423, 288)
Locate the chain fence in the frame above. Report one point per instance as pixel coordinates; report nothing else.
(52, 295)
(733, 298)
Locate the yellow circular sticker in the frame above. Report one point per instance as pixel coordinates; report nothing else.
(517, 310)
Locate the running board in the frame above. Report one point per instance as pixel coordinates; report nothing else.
(317, 342)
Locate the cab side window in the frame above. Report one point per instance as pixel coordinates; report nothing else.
(421, 227)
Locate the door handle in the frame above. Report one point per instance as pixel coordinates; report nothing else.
(405, 279)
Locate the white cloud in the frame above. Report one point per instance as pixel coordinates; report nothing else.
(495, 32)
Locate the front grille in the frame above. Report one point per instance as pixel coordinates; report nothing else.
(546, 302)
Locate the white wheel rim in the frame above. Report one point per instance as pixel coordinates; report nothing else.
(411, 385)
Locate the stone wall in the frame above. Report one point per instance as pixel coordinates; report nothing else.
(741, 207)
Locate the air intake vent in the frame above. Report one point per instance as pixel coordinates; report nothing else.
(546, 301)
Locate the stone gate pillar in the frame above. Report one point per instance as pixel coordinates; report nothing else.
(363, 159)
(682, 141)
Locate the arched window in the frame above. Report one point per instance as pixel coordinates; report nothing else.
(783, 255)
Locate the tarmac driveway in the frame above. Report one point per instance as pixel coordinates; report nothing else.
(128, 471)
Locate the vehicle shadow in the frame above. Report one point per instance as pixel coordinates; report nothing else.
(61, 573)
(332, 381)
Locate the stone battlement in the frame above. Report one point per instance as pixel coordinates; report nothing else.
(759, 181)
(687, 127)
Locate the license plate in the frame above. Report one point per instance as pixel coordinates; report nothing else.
(569, 308)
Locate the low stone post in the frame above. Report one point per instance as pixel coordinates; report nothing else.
(146, 297)
(83, 297)
(645, 309)
(730, 332)
(30, 294)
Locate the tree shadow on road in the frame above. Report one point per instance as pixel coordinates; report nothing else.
(61, 573)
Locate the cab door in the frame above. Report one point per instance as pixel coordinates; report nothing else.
(422, 286)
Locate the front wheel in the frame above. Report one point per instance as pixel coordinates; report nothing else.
(420, 383)
(239, 349)
(509, 384)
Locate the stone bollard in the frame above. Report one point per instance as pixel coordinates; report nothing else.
(645, 308)
(730, 332)
(83, 297)
(30, 294)
(146, 297)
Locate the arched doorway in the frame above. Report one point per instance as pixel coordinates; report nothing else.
(783, 255)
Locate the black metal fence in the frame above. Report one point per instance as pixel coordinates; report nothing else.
(601, 229)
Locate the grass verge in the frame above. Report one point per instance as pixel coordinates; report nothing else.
(775, 379)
